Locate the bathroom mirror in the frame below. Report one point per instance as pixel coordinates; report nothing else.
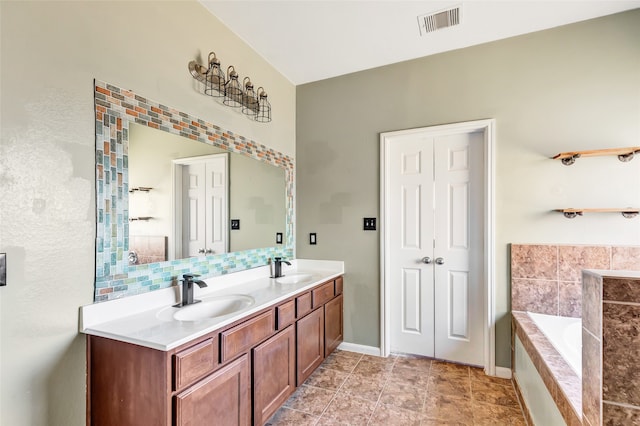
(184, 197)
(257, 192)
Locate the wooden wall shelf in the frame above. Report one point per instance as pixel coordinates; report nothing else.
(628, 212)
(624, 154)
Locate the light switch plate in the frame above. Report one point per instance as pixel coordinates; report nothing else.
(3, 269)
(369, 224)
(278, 237)
(235, 224)
(313, 239)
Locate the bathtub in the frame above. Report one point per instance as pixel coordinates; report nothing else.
(547, 367)
(565, 334)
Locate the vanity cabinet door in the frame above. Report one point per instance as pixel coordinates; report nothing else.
(274, 374)
(221, 398)
(310, 343)
(333, 325)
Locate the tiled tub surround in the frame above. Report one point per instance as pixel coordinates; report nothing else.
(546, 278)
(563, 384)
(135, 319)
(611, 348)
(114, 109)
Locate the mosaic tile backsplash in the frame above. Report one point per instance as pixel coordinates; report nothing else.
(115, 278)
(546, 278)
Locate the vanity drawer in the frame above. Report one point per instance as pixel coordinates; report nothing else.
(285, 314)
(303, 304)
(338, 286)
(243, 337)
(194, 362)
(322, 294)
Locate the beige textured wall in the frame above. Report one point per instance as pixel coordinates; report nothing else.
(570, 88)
(50, 54)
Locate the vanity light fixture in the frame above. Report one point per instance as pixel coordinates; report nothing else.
(232, 91)
(263, 114)
(214, 77)
(250, 102)
(254, 104)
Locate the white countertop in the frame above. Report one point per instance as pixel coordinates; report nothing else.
(136, 319)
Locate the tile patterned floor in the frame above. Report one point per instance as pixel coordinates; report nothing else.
(354, 389)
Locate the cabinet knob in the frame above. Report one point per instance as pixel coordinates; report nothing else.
(440, 261)
(426, 260)
(201, 250)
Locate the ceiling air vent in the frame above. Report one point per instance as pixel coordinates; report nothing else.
(439, 20)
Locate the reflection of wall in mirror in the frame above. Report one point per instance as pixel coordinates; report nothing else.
(150, 155)
(257, 199)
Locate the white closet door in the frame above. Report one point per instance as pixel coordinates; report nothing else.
(412, 319)
(458, 237)
(436, 234)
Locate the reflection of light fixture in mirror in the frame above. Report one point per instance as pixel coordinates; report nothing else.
(264, 107)
(214, 78)
(232, 90)
(254, 104)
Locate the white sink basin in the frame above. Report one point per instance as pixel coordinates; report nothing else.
(294, 278)
(210, 307)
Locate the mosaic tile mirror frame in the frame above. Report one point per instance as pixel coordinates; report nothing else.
(115, 108)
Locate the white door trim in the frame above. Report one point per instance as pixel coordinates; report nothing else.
(488, 127)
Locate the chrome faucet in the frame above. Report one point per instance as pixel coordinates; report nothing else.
(277, 267)
(187, 289)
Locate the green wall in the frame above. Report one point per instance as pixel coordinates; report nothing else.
(569, 88)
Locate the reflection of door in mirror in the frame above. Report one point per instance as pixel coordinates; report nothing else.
(201, 198)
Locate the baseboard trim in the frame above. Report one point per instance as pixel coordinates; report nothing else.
(503, 372)
(361, 349)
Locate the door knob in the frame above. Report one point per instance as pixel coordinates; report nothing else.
(440, 261)
(426, 260)
(201, 250)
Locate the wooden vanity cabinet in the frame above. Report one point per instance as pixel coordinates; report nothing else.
(274, 374)
(310, 344)
(127, 384)
(333, 325)
(222, 398)
(237, 375)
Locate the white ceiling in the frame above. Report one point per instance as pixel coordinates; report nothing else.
(310, 40)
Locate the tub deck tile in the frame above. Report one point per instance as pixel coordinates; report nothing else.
(563, 384)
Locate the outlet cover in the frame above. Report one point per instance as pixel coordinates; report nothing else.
(369, 224)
